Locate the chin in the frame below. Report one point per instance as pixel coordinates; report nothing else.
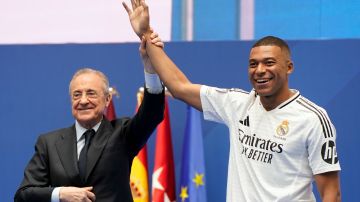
(261, 92)
(86, 123)
(84, 119)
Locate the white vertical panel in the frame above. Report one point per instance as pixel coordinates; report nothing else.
(188, 20)
(246, 19)
(75, 21)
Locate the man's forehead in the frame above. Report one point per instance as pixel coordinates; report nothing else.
(86, 82)
(85, 89)
(265, 48)
(266, 51)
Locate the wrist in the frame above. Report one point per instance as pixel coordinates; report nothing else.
(147, 34)
(153, 83)
(149, 70)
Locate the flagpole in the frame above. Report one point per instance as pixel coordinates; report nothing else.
(110, 110)
(114, 92)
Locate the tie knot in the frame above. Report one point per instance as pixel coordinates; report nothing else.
(88, 135)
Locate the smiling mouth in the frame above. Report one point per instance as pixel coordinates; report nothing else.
(262, 81)
(87, 109)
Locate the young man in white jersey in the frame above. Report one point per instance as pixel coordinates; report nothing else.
(279, 141)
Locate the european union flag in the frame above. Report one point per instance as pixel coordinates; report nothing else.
(192, 184)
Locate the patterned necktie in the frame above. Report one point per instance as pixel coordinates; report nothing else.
(83, 154)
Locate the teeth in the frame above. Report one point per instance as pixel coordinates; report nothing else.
(262, 80)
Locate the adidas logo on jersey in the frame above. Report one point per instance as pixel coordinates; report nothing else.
(245, 122)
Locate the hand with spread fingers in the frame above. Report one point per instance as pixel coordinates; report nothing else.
(139, 16)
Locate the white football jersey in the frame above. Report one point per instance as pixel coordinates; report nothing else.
(273, 154)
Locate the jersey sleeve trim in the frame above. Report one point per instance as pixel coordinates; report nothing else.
(327, 169)
(324, 120)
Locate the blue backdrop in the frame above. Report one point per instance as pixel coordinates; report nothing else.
(289, 19)
(34, 97)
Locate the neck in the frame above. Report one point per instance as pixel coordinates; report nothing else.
(89, 125)
(272, 101)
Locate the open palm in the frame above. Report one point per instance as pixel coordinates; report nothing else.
(139, 16)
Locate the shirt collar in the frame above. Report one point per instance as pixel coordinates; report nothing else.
(81, 130)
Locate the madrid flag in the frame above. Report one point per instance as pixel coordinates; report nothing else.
(163, 178)
(110, 111)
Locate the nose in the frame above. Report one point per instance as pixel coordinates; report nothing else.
(260, 69)
(83, 99)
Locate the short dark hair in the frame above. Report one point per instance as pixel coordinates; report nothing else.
(273, 41)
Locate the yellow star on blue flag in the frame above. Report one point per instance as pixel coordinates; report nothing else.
(193, 163)
(198, 179)
(184, 194)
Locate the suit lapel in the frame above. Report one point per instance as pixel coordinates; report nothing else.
(97, 145)
(67, 151)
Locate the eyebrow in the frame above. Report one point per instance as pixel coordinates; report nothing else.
(263, 59)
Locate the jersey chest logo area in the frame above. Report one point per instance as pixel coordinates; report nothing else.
(282, 130)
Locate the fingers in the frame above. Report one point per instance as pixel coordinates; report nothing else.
(153, 35)
(91, 196)
(142, 44)
(76, 194)
(133, 4)
(88, 188)
(160, 44)
(146, 8)
(142, 47)
(155, 39)
(137, 3)
(127, 8)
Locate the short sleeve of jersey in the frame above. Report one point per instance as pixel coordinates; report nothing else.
(217, 103)
(322, 145)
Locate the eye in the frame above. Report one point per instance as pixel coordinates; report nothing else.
(269, 63)
(252, 64)
(76, 95)
(91, 94)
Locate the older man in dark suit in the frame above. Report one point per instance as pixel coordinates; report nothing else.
(91, 160)
(58, 171)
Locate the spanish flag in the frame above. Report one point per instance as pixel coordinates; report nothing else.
(139, 174)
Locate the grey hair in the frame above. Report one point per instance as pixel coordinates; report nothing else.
(93, 71)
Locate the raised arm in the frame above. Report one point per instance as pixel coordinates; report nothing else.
(173, 78)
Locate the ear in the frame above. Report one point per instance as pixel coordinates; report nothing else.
(290, 66)
(108, 99)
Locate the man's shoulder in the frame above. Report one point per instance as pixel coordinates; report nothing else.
(57, 132)
(309, 105)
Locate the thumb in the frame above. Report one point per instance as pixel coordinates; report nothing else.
(88, 188)
(142, 47)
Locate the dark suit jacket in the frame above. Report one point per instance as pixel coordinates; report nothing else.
(111, 153)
